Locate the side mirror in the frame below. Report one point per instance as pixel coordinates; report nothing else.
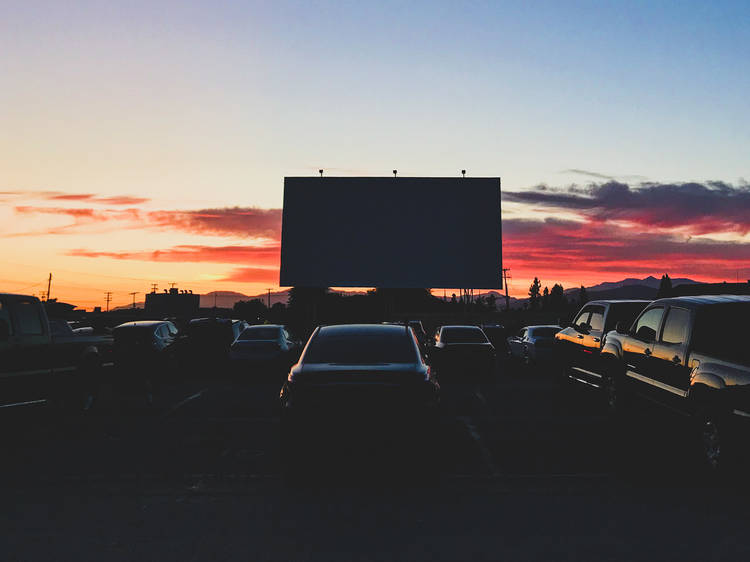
(4, 330)
(622, 327)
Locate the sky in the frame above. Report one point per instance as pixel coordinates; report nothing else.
(145, 142)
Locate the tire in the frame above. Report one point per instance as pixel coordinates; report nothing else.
(614, 403)
(714, 453)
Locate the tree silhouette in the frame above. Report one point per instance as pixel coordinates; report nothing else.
(534, 293)
(665, 287)
(557, 299)
(583, 296)
(545, 298)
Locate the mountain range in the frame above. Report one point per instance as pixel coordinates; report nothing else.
(630, 288)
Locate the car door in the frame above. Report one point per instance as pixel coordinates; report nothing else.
(671, 372)
(29, 378)
(638, 349)
(589, 328)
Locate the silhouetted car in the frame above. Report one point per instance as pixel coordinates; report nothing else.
(363, 378)
(462, 354)
(533, 344)
(419, 331)
(42, 361)
(578, 347)
(267, 347)
(144, 353)
(497, 334)
(204, 346)
(690, 355)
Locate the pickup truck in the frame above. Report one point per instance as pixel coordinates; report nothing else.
(689, 355)
(43, 362)
(578, 347)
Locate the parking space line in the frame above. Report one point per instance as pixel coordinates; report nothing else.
(181, 403)
(483, 450)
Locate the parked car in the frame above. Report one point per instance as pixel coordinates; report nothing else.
(43, 362)
(266, 348)
(462, 354)
(144, 355)
(533, 344)
(578, 347)
(367, 379)
(497, 334)
(204, 347)
(690, 355)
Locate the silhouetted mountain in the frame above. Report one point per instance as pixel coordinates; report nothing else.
(649, 281)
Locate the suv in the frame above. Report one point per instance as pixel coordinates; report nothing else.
(689, 355)
(578, 346)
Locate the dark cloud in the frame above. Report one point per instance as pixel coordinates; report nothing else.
(698, 208)
(227, 221)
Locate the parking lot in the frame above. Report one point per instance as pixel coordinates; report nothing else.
(524, 469)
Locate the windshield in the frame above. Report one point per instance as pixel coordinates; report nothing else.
(362, 349)
(260, 333)
(463, 335)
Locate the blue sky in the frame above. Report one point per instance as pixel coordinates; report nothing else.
(208, 105)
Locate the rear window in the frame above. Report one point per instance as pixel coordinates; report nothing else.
(463, 335)
(262, 333)
(544, 332)
(362, 349)
(133, 333)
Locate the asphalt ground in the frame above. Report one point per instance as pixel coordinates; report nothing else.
(523, 468)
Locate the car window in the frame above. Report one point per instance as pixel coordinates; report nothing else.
(647, 325)
(259, 333)
(596, 322)
(29, 319)
(5, 317)
(163, 331)
(362, 349)
(463, 334)
(676, 326)
(582, 318)
(723, 332)
(546, 332)
(623, 312)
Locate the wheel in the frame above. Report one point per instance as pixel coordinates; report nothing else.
(714, 446)
(613, 400)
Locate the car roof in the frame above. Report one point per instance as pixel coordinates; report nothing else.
(544, 326)
(703, 300)
(617, 301)
(141, 324)
(252, 326)
(361, 329)
(461, 326)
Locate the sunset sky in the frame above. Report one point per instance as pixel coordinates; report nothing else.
(147, 142)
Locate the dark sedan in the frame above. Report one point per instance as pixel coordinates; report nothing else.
(268, 348)
(144, 353)
(362, 382)
(463, 354)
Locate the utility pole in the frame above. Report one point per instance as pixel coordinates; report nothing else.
(133, 295)
(505, 283)
(269, 299)
(108, 298)
(49, 285)
(154, 287)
